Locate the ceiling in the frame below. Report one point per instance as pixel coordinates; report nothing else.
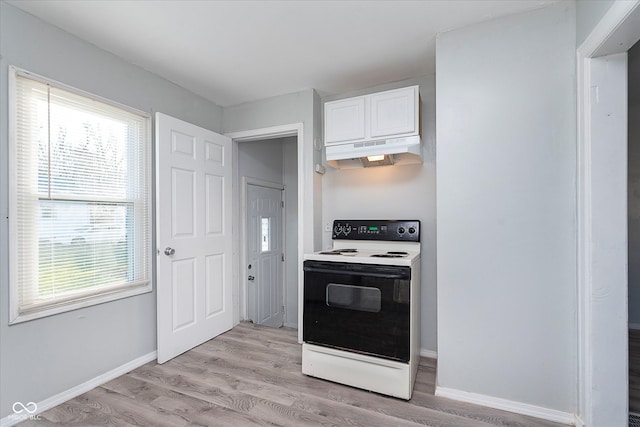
(232, 52)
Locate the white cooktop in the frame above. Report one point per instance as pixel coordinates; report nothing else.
(365, 251)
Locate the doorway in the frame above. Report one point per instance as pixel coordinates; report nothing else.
(265, 252)
(602, 217)
(268, 266)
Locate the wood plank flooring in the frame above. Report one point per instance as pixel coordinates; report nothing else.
(251, 375)
(634, 370)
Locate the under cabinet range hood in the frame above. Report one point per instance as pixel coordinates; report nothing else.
(394, 151)
(378, 129)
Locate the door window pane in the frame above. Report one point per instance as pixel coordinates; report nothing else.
(265, 234)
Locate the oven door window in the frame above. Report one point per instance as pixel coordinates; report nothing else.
(354, 297)
(357, 307)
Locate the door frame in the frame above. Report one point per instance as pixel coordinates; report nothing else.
(244, 256)
(616, 32)
(305, 216)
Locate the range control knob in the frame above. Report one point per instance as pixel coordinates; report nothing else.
(412, 230)
(347, 229)
(400, 230)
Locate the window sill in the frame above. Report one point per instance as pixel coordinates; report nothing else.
(88, 301)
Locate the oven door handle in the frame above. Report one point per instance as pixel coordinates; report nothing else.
(358, 273)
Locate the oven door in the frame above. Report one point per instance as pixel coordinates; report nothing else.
(362, 308)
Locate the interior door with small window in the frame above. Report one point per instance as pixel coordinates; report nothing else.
(265, 304)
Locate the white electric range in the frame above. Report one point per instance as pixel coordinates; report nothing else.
(361, 311)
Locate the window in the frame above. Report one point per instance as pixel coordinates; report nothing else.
(79, 202)
(265, 234)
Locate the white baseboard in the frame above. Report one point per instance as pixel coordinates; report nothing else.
(507, 405)
(62, 397)
(428, 353)
(291, 325)
(634, 325)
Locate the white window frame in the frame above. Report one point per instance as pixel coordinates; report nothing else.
(63, 305)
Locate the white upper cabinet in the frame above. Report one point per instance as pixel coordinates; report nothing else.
(394, 112)
(389, 114)
(346, 118)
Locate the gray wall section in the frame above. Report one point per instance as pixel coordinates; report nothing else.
(634, 185)
(588, 14)
(506, 209)
(262, 160)
(41, 358)
(395, 192)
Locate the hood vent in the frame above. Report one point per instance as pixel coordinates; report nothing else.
(396, 151)
(378, 129)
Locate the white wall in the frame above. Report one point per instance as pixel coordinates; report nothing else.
(395, 192)
(43, 357)
(506, 228)
(634, 185)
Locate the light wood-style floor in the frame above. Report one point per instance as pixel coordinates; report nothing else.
(634, 371)
(251, 375)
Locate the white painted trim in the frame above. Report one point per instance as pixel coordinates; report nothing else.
(304, 222)
(634, 326)
(62, 397)
(272, 132)
(428, 353)
(507, 405)
(614, 19)
(290, 325)
(578, 421)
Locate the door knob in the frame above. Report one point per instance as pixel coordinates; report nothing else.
(251, 278)
(169, 251)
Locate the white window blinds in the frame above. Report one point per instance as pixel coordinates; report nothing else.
(80, 222)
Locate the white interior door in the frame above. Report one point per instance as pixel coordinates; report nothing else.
(265, 256)
(194, 301)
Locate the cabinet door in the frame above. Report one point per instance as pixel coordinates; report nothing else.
(394, 112)
(344, 120)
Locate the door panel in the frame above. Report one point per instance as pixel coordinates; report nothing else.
(183, 210)
(264, 247)
(214, 280)
(193, 226)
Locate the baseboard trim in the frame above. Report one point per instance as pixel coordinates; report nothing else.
(428, 353)
(507, 405)
(291, 325)
(62, 397)
(634, 326)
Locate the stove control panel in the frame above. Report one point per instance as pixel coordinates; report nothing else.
(383, 230)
